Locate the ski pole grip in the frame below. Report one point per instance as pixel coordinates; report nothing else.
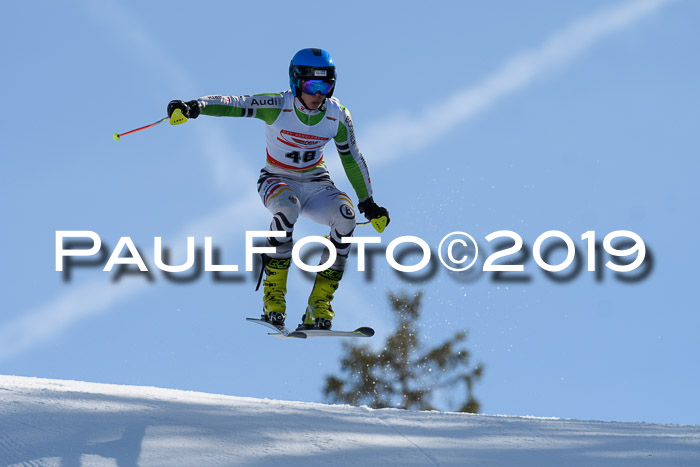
(379, 223)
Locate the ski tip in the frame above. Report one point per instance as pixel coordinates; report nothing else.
(365, 331)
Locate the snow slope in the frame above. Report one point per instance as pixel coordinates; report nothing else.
(51, 422)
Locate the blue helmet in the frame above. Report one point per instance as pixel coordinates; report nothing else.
(310, 64)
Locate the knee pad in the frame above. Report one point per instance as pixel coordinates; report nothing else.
(342, 225)
(285, 209)
(343, 222)
(286, 204)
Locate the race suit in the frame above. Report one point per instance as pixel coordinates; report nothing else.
(295, 180)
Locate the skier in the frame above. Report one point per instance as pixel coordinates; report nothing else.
(295, 180)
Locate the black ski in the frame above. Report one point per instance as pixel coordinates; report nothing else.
(359, 332)
(284, 332)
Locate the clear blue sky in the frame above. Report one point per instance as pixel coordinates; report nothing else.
(471, 116)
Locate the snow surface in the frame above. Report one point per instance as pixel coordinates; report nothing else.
(68, 423)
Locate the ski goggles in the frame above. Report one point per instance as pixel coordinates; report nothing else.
(313, 86)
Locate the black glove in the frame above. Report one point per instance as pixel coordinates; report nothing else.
(189, 109)
(372, 211)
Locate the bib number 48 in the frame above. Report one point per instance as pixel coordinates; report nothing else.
(297, 156)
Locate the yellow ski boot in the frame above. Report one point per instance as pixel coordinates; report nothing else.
(319, 313)
(275, 289)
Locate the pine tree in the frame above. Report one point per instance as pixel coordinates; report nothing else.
(403, 374)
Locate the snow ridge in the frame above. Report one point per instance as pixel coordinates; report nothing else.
(52, 422)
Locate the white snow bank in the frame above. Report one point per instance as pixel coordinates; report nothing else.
(68, 423)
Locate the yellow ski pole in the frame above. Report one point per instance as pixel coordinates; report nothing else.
(175, 119)
(378, 223)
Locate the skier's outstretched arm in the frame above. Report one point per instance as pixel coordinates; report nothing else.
(266, 107)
